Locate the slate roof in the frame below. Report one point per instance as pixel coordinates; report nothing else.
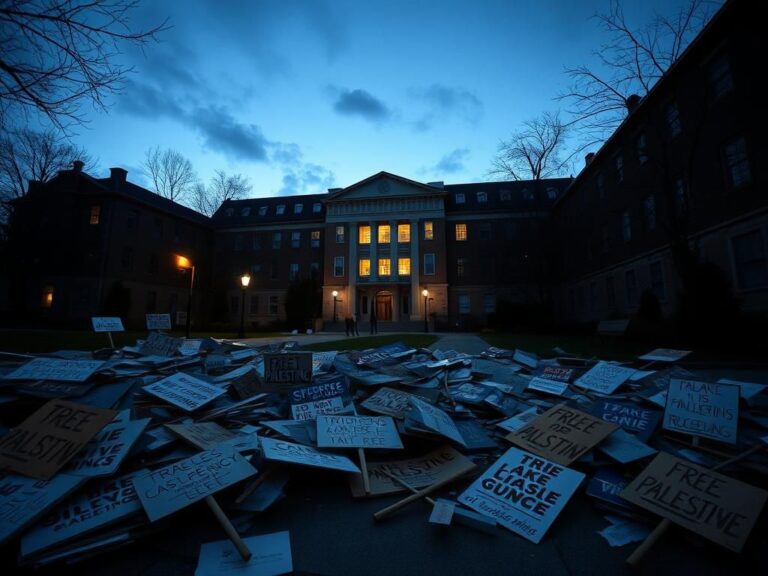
(514, 196)
(254, 211)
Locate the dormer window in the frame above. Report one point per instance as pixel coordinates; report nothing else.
(280, 209)
(460, 198)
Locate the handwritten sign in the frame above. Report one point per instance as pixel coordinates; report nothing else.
(285, 370)
(522, 492)
(639, 421)
(604, 378)
(435, 419)
(715, 506)
(203, 435)
(107, 324)
(105, 452)
(297, 454)
(324, 397)
(158, 344)
(54, 369)
(357, 432)
(557, 373)
(42, 444)
(548, 386)
(444, 462)
(185, 391)
(23, 500)
(665, 355)
(178, 485)
(562, 434)
(270, 555)
(158, 321)
(390, 402)
(702, 409)
(190, 347)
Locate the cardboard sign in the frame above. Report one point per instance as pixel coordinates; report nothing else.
(110, 501)
(105, 452)
(525, 358)
(178, 485)
(548, 386)
(377, 357)
(158, 321)
(203, 435)
(54, 389)
(325, 397)
(181, 318)
(606, 485)
(287, 370)
(389, 402)
(23, 500)
(442, 512)
(297, 454)
(42, 444)
(107, 324)
(190, 347)
(158, 344)
(562, 434)
(639, 421)
(625, 447)
(54, 369)
(516, 422)
(357, 432)
(665, 355)
(435, 419)
(747, 390)
(185, 391)
(522, 492)
(715, 506)
(557, 373)
(302, 431)
(604, 378)
(270, 555)
(702, 409)
(445, 462)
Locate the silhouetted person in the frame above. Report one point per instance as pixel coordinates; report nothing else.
(373, 320)
(348, 325)
(355, 330)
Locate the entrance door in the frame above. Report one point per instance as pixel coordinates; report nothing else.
(384, 306)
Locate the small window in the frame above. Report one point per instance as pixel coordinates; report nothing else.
(277, 239)
(274, 305)
(338, 266)
(364, 235)
(295, 239)
(482, 197)
(489, 303)
(461, 232)
(626, 227)
(317, 207)
(254, 305)
(429, 264)
(485, 231)
(630, 287)
(263, 210)
(245, 211)
(293, 271)
(46, 300)
(403, 233)
(384, 234)
(340, 234)
(460, 198)
(750, 261)
(297, 208)
(464, 304)
(657, 281)
(649, 212)
(403, 266)
(256, 243)
(280, 209)
(719, 77)
(429, 230)
(384, 267)
(672, 119)
(95, 214)
(315, 239)
(737, 163)
(505, 195)
(461, 267)
(641, 148)
(229, 212)
(552, 193)
(364, 267)
(600, 185)
(618, 164)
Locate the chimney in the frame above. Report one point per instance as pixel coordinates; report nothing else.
(77, 165)
(588, 158)
(117, 176)
(632, 101)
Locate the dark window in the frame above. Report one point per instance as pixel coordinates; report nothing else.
(293, 271)
(254, 305)
(296, 238)
(485, 231)
(618, 163)
(672, 120)
(429, 264)
(626, 226)
(600, 185)
(737, 163)
(461, 267)
(719, 77)
(151, 301)
(750, 260)
(273, 270)
(256, 242)
(641, 148)
(657, 281)
(277, 238)
(274, 304)
(338, 266)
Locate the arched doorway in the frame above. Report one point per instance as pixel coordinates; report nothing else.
(384, 306)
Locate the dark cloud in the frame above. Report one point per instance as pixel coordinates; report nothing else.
(444, 102)
(452, 162)
(361, 103)
(306, 179)
(145, 100)
(223, 133)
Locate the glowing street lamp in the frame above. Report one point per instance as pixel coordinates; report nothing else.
(335, 293)
(245, 280)
(425, 293)
(184, 263)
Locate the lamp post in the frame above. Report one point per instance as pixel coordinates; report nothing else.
(335, 293)
(245, 280)
(184, 263)
(425, 293)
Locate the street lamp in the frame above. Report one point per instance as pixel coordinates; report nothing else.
(335, 293)
(245, 279)
(184, 263)
(425, 293)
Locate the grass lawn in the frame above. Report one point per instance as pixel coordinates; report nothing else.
(364, 342)
(609, 348)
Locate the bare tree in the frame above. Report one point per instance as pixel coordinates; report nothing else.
(534, 152)
(55, 54)
(207, 199)
(171, 174)
(631, 62)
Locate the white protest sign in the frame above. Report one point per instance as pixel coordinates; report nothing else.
(297, 454)
(324, 397)
(442, 512)
(525, 358)
(55, 369)
(190, 347)
(158, 321)
(357, 432)
(185, 391)
(310, 410)
(435, 419)
(549, 386)
(665, 355)
(389, 401)
(702, 409)
(107, 324)
(270, 556)
(203, 435)
(517, 421)
(604, 378)
(166, 490)
(522, 492)
(105, 452)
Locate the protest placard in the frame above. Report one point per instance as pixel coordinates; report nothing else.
(517, 421)
(158, 321)
(377, 357)
(604, 378)
(98, 506)
(548, 386)
(442, 512)
(23, 499)
(55, 369)
(190, 347)
(639, 421)
(326, 396)
(710, 504)
(444, 462)
(105, 452)
(286, 370)
(562, 434)
(302, 431)
(297, 454)
(390, 402)
(606, 486)
(434, 419)
(557, 373)
(107, 324)
(158, 344)
(270, 556)
(203, 435)
(42, 444)
(185, 391)
(665, 355)
(357, 432)
(166, 490)
(475, 435)
(527, 359)
(625, 447)
(522, 492)
(702, 409)
(53, 388)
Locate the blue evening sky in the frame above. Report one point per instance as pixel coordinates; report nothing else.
(303, 95)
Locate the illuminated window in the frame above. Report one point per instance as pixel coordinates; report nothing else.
(403, 233)
(429, 231)
(280, 209)
(429, 264)
(95, 213)
(340, 234)
(364, 267)
(461, 232)
(384, 234)
(403, 266)
(47, 297)
(315, 238)
(384, 269)
(364, 235)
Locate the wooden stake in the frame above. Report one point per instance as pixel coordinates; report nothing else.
(405, 484)
(364, 470)
(381, 514)
(253, 485)
(228, 528)
(111, 342)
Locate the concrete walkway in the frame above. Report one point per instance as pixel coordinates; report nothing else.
(460, 342)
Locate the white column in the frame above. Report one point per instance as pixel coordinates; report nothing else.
(393, 255)
(352, 269)
(417, 302)
(374, 261)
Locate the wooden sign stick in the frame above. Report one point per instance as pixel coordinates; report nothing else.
(111, 342)
(253, 485)
(228, 528)
(662, 526)
(381, 514)
(363, 463)
(405, 484)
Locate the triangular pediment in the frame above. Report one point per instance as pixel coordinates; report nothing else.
(384, 185)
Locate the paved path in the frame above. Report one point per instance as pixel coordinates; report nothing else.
(467, 343)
